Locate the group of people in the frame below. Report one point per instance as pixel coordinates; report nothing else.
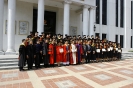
(70, 50)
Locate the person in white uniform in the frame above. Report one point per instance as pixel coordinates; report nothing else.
(74, 51)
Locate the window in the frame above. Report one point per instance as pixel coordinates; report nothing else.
(122, 13)
(98, 11)
(116, 13)
(104, 12)
(121, 41)
(116, 38)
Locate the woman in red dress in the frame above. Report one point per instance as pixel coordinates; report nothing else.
(59, 53)
(51, 53)
(66, 55)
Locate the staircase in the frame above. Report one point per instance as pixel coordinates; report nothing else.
(8, 63)
(127, 56)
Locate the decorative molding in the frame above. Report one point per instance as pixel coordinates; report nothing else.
(86, 6)
(67, 1)
(93, 7)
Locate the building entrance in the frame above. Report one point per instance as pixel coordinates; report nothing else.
(49, 21)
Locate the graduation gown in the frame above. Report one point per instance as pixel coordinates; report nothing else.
(30, 52)
(22, 55)
(59, 54)
(45, 53)
(51, 53)
(74, 53)
(79, 52)
(66, 55)
(93, 53)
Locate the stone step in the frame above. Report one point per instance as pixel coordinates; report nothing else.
(9, 64)
(8, 61)
(8, 67)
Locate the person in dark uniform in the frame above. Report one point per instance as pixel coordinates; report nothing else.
(22, 55)
(93, 52)
(31, 35)
(88, 49)
(45, 53)
(35, 38)
(30, 54)
(97, 52)
(84, 51)
(38, 54)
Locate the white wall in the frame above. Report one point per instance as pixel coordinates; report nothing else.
(24, 12)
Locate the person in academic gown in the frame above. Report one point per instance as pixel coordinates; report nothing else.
(51, 53)
(38, 54)
(84, 51)
(66, 54)
(88, 51)
(59, 53)
(35, 38)
(22, 55)
(45, 53)
(93, 52)
(79, 51)
(30, 54)
(74, 52)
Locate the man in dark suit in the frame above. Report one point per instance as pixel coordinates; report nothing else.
(88, 51)
(31, 54)
(45, 53)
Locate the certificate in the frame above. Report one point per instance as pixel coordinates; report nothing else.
(111, 48)
(108, 49)
(61, 50)
(103, 50)
(119, 51)
(98, 50)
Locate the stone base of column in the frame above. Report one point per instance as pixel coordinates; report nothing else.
(11, 53)
(2, 53)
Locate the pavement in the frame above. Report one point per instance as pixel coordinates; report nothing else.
(115, 74)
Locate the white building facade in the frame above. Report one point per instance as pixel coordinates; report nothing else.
(71, 17)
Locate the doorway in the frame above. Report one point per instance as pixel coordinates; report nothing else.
(49, 21)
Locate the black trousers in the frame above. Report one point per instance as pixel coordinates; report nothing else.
(30, 62)
(46, 60)
(37, 60)
(88, 57)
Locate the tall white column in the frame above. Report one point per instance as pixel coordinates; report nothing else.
(1, 24)
(125, 25)
(66, 17)
(85, 20)
(40, 23)
(101, 18)
(119, 20)
(91, 21)
(11, 26)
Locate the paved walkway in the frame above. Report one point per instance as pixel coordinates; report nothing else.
(117, 74)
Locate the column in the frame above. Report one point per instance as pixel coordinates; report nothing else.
(125, 25)
(1, 24)
(66, 17)
(91, 21)
(11, 26)
(85, 20)
(119, 20)
(101, 19)
(40, 23)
